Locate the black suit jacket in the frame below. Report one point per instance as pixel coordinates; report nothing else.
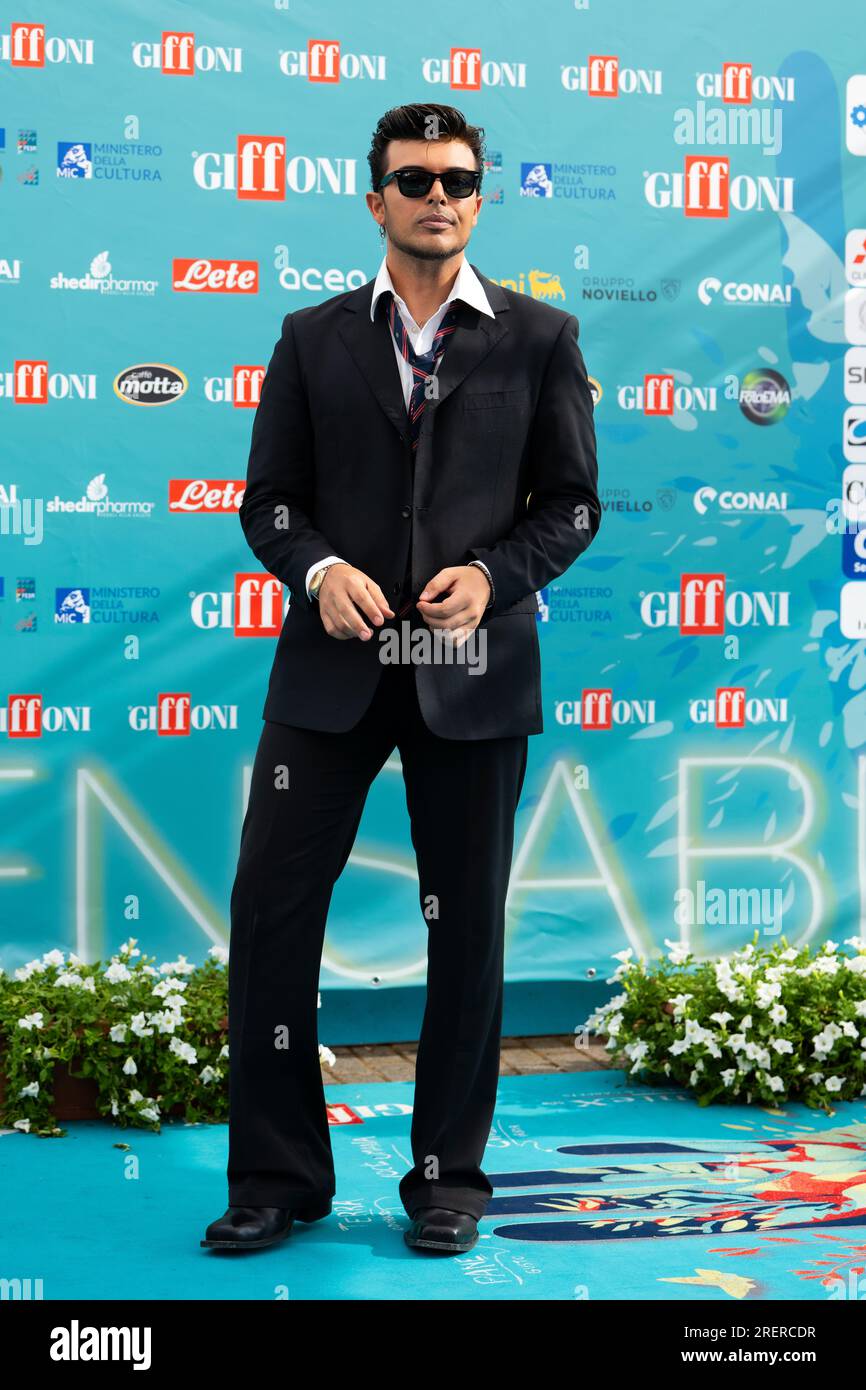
(330, 443)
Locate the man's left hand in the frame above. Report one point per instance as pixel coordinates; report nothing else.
(468, 594)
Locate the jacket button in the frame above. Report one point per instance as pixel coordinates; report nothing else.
(406, 511)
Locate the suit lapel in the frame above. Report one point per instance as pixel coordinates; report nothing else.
(371, 346)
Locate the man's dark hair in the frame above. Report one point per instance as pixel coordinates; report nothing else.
(423, 122)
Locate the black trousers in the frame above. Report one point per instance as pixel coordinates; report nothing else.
(462, 797)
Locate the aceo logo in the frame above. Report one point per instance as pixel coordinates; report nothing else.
(152, 383)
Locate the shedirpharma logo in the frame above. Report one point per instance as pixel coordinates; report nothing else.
(77, 1343)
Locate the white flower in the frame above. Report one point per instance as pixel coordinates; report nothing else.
(830, 946)
(127, 949)
(728, 1075)
(781, 1045)
(766, 993)
(856, 941)
(208, 1074)
(181, 966)
(139, 1026)
(167, 986)
(53, 958)
(816, 1077)
(135, 1097)
(89, 984)
(31, 1090)
(69, 979)
(614, 1024)
(679, 952)
(326, 1056)
(117, 972)
(834, 1083)
(33, 967)
(746, 1022)
(22, 1124)
(34, 1020)
(860, 1008)
(775, 1083)
(850, 1029)
(165, 1022)
(825, 965)
(778, 1013)
(184, 1050)
(856, 964)
(679, 1002)
(721, 1018)
(129, 1067)
(149, 1112)
(117, 1033)
(220, 953)
(224, 1052)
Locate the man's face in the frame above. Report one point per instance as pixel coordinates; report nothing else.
(433, 227)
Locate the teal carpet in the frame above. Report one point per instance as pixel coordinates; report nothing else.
(603, 1189)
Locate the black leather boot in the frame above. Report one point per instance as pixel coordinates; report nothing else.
(436, 1228)
(252, 1228)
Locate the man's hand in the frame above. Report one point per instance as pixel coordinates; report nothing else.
(468, 590)
(345, 596)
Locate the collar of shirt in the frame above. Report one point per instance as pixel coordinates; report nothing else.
(466, 286)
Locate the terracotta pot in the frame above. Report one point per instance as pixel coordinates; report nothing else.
(74, 1096)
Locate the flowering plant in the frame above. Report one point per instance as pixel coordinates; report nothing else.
(153, 1039)
(765, 1024)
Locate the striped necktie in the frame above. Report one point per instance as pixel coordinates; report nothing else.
(424, 365)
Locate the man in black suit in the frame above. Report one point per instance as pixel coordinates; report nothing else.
(422, 461)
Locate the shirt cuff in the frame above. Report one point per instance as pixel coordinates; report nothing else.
(328, 560)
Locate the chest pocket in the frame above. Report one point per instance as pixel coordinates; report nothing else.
(489, 400)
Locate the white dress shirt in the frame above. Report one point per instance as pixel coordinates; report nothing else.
(467, 287)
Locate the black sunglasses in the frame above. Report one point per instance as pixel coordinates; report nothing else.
(416, 183)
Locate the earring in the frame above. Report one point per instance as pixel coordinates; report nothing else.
(382, 231)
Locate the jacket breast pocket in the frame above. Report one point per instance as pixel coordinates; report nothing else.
(517, 399)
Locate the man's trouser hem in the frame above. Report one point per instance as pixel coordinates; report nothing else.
(451, 1198)
(253, 1194)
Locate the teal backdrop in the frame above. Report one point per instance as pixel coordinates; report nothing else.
(690, 184)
